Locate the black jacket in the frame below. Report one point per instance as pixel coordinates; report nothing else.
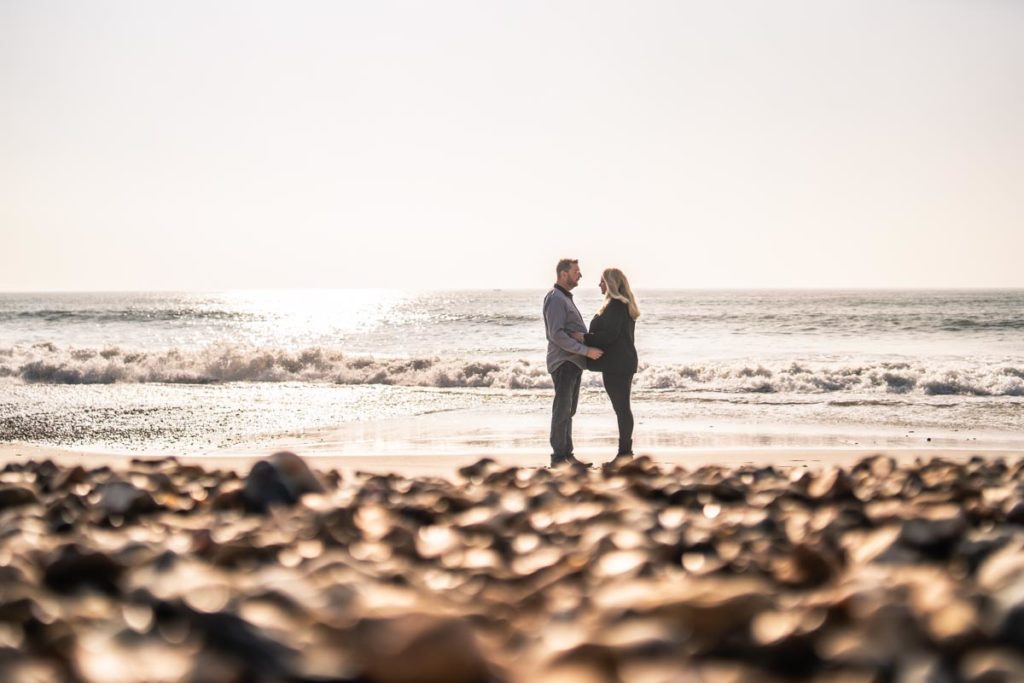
(613, 332)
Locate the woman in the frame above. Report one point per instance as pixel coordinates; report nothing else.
(612, 331)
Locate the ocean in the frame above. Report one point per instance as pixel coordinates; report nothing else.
(420, 372)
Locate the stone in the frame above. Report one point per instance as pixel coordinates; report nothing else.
(125, 500)
(831, 484)
(296, 474)
(992, 666)
(933, 529)
(478, 469)
(69, 477)
(282, 479)
(805, 565)
(420, 649)
(16, 496)
(73, 568)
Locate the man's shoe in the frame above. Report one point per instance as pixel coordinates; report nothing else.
(571, 459)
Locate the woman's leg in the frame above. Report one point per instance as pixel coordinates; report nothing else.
(619, 387)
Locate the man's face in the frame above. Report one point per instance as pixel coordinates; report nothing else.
(572, 276)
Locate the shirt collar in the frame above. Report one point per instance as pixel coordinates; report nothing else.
(563, 290)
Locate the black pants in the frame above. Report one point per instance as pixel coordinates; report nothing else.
(619, 386)
(567, 378)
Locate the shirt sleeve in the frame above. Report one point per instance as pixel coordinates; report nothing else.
(555, 320)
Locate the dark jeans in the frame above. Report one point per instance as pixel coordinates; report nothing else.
(618, 387)
(567, 378)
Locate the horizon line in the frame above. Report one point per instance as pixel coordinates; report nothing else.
(516, 289)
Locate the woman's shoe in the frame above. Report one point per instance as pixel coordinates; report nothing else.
(621, 459)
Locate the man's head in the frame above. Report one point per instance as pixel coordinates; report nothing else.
(568, 273)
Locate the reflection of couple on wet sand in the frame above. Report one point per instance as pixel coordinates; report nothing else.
(607, 347)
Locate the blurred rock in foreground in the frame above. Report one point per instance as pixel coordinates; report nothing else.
(164, 571)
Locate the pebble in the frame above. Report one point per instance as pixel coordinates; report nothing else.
(124, 499)
(16, 496)
(282, 479)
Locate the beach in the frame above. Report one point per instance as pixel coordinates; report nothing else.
(691, 566)
(828, 487)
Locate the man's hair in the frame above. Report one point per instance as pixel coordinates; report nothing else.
(564, 265)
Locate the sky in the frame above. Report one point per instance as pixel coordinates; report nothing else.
(752, 143)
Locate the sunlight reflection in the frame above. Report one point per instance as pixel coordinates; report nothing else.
(323, 311)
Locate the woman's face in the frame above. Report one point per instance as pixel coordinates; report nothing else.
(603, 286)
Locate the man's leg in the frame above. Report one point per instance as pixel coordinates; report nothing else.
(575, 402)
(562, 409)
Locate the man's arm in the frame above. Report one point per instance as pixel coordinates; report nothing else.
(555, 321)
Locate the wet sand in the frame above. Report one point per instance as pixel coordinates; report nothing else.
(419, 464)
(704, 566)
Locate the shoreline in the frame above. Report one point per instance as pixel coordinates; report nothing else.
(431, 464)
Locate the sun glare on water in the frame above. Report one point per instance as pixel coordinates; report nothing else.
(315, 313)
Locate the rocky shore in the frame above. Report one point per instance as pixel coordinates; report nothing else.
(634, 573)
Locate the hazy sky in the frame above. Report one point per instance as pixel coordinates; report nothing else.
(211, 145)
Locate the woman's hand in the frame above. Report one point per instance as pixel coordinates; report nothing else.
(578, 336)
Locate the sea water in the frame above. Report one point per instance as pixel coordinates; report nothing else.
(433, 371)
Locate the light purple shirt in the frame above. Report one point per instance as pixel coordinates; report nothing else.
(560, 318)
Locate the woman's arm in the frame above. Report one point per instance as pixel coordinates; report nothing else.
(607, 328)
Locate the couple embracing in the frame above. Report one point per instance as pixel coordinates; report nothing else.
(607, 347)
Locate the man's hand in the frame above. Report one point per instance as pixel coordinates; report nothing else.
(578, 336)
(594, 353)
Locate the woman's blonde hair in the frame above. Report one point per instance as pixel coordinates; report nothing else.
(618, 288)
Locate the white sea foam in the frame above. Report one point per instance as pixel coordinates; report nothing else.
(50, 364)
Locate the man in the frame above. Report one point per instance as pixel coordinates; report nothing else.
(567, 358)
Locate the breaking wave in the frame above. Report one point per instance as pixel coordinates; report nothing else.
(47, 363)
